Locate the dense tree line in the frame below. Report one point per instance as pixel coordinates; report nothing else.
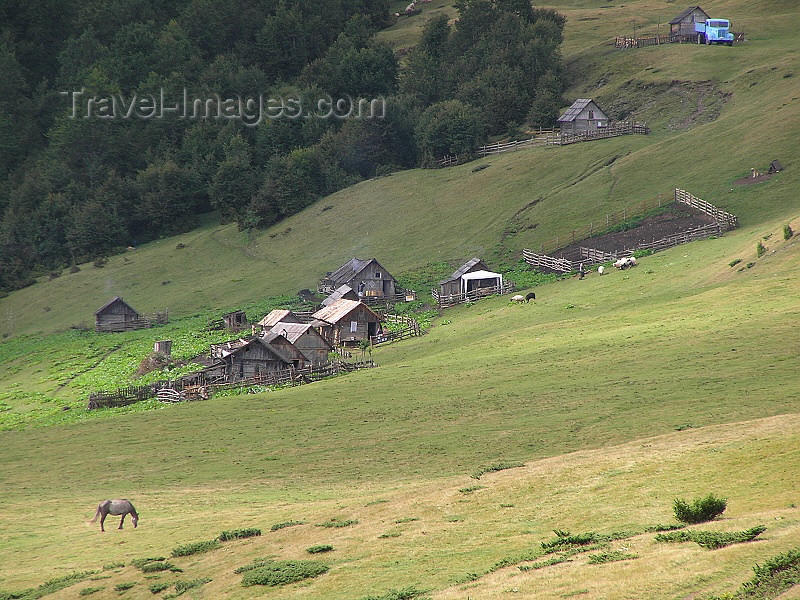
(77, 184)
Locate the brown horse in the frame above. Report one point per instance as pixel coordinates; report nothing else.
(115, 507)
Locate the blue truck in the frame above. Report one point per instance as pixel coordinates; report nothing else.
(714, 31)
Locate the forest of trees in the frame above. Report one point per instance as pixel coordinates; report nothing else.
(74, 186)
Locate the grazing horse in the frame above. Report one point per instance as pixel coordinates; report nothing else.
(530, 296)
(115, 507)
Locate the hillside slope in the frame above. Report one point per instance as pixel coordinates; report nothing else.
(523, 199)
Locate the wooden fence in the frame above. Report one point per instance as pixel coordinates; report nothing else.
(143, 322)
(725, 219)
(404, 327)
(555, 137)
(656, 40)
(448, 300)
(195, 386)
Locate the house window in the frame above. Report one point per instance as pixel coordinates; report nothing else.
(377, 274)
(353, 326)
(591, 115)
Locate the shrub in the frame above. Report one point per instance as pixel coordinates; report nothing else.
(112, 566)
(564, 539)
(404, 594)
(391, 534)
(659, 527)
(701, 510)
(157, 567)
(121, 587)
(195, 548)
(502, 465)
(760, 249)
(238, 534)
(278, 526)
(90, 590)
(274, 573)
(185, 586)
(338, 523)
(712, 540)
(100, 262)
(734, 262)
(472, 488)
(157, 588)
(610, 556)
(319, 549)
(787, 232)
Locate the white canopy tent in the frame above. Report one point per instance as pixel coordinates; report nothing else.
(478, 275)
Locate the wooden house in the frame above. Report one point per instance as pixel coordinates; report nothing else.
(116, 315)
(366, 276)
(343, 291)
(346, 322)
(307, 339)
(683, 24)
(452, 285)
(252, 356)
(583, 115)
(235, 320)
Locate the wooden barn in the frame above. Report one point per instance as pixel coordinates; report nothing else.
(683, 24)
(452, 285)
(117, 315)
(366, 276)
(346, 322)
(252, 356)
(343, 291)
(583, 115)
(307, 340)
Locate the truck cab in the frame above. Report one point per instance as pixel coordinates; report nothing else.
(714, 31)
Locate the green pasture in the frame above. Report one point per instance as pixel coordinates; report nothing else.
(618, 393)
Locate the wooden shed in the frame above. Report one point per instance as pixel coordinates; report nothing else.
(307, 339)
(346, 322)
(343, 291)
(683, 24)
(116, 315)
(250, 357)
(366, 276)
(583, 115)
(452, 285)
(274, 316)
(235, 320)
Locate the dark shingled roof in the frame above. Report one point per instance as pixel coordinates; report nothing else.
(573, 111)
(109, 303)
(350, 269)
(463, 269)
(685, 14)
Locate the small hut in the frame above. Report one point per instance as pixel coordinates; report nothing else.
(775, 167)
(307, 339)
(163, 347)
(583, 115)
(116, 315)
(452, 285)
(343, 291)
(235, 320)
(279, 315)
(683, 24)
(366, 276)
(248, 357)
(346, 322)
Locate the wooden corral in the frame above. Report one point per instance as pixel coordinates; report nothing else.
(346, 322)
(683, 24)
(117, 315)
(584, 115)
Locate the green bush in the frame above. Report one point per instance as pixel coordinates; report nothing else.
(278, 526)
(238, 534)
(90, 590)
(319, 549)
(712, 540)
(502, 465)
(121, 587)
(157, 588)
(338, 523)
(610, 556)
(274, 573)
(760, 249)
(700, 510)
(404, 594)
(734, 262)
(195, 548)
(787, 232)
(472, 488)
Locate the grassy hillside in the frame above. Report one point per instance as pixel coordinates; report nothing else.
(618, 393)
